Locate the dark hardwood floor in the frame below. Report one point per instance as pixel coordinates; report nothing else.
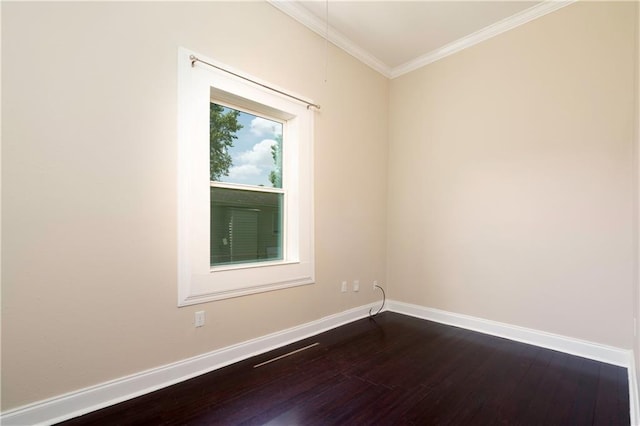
(397, 370)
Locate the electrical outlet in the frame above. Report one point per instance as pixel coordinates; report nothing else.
(356, 285)
(199, 319)
(375, 284)
(344, 287)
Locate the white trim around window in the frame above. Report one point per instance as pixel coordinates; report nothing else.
(197, 281)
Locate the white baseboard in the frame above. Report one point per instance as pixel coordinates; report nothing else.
(83, 401)
(583, 348)
(609, 354)
(634, 413)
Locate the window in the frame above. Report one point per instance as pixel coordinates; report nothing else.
(245, 193)
(247, 196)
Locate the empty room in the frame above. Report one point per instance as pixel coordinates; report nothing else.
(322, 212)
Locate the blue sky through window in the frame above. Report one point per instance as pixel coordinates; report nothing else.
(251, 151)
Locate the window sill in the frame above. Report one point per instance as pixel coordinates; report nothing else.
(238, 292)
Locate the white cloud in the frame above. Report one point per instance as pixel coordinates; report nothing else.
(263, 127)
(252, 167)
(260, 154)
(244, 173)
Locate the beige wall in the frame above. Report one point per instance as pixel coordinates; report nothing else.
(510, 171)
(89, 185)
(511, 177)
(636, 294)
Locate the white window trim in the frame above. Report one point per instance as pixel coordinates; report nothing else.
(198, 282)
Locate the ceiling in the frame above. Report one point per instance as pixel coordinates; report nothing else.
(395, 36)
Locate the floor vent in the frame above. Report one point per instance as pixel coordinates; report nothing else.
(285, 355)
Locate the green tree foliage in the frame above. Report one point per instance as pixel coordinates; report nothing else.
(222, 131)
(275, 176)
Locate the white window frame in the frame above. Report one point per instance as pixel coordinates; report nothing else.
(198, 282)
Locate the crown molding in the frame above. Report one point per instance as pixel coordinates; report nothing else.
(479, 36)
(317, 25)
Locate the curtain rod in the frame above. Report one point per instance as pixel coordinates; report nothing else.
(195, 59)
